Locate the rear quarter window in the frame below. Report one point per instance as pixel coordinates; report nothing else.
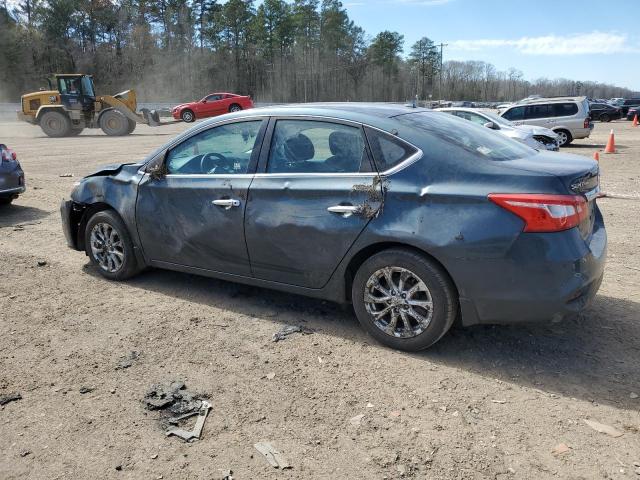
(565, 109)
(516, 113)
(388, 151)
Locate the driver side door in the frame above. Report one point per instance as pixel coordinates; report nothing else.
(193, 216)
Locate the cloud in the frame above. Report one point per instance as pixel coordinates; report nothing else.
(578, 44)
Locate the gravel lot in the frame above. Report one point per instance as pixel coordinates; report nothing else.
(485, 402)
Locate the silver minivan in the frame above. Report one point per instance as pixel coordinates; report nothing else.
(568, 117)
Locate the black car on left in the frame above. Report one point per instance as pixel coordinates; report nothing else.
(604, 112)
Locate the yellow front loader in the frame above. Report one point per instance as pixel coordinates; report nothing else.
(74, 106)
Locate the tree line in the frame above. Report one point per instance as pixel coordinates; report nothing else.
(277, 51)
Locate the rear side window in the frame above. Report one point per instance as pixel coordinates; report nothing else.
(516, 113)
(565, 109)
(539, 111)
(388, 151)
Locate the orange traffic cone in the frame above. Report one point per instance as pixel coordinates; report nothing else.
(611, 144)
(635, 120)
(596, 156)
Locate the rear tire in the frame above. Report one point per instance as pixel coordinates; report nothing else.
(564, 138)
(421, 306)
(55, 124)
(6, 201)
(605, 118)
(109, 246)
(235, 108)
(114, 123)
(187, 116)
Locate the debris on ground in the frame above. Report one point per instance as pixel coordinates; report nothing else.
(66, 175)
(178, 404)
(25, 453)
(287, 330)
(84, 390)
(227, 475)
(42, 263)
(11, 397)
(271, 376)
(127, 361)
(633, 395)
(357, 420)
(273, 456)
(603, 428)
(560, 449)
(189, 435)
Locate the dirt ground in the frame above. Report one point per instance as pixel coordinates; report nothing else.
(485, 402)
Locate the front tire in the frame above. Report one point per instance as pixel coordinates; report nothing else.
(109, 246)
(6, 201)
(55, 124)
(187, 116)
(605, 118)
(403, 299)
(114, 123)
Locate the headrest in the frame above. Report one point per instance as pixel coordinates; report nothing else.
(344, 144)
(298, 148)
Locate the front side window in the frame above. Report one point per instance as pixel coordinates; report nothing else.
(213, 98)
(223, 150)
(308, 146)
(516, 113)
(473, 117)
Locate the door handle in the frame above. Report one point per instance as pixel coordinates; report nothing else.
(227, 203)
(344, 210)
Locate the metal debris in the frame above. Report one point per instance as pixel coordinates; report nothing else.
(42, 263)
(174, 397)
(273, 456)
(227, 475)
(66, 175)
(84, 390)
(189, 435)
(11, 397)
(290, 329)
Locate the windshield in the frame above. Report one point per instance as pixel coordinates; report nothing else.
(455, 132)
(497, 119)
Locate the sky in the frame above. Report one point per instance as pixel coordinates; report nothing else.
(595, 40)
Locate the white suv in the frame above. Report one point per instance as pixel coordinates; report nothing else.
(567, 116)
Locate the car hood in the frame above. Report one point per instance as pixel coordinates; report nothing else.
(532, 129)
(182, 105)
(110, 169)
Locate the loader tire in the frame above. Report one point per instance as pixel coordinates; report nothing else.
(55, 124)
(114, 123)
(132, 125)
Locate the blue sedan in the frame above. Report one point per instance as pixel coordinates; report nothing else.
(417, 218)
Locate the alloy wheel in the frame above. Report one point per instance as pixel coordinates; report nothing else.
(398, 301)
(562, 138)
(107, 247)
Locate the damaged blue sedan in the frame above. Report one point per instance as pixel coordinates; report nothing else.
(416, 217)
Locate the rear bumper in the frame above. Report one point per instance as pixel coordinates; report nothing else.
(12, 183)
(544, 277)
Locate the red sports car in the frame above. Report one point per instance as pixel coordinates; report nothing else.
(211, 105)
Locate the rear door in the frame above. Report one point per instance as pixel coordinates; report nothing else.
(193, 216)
(314, 196)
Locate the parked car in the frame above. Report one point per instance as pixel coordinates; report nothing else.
(567, 116)
(413, 216)
(12, 181)
(604, 112)
(617, 102)
(628, 103)
(536, 137)
(632, 112)
(211, 106)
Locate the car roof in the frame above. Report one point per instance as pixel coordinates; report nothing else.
(461, 109)
(549, 100)
(378, 115)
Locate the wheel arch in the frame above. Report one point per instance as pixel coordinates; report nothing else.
(366, 252)
(49, 108)
(88, 211)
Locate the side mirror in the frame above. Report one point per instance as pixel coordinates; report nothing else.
(492, 125)
(157, 168)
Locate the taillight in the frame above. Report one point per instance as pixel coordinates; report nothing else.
(587, 122)
(542, 212)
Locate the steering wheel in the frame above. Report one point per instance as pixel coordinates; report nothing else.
(208, 163)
